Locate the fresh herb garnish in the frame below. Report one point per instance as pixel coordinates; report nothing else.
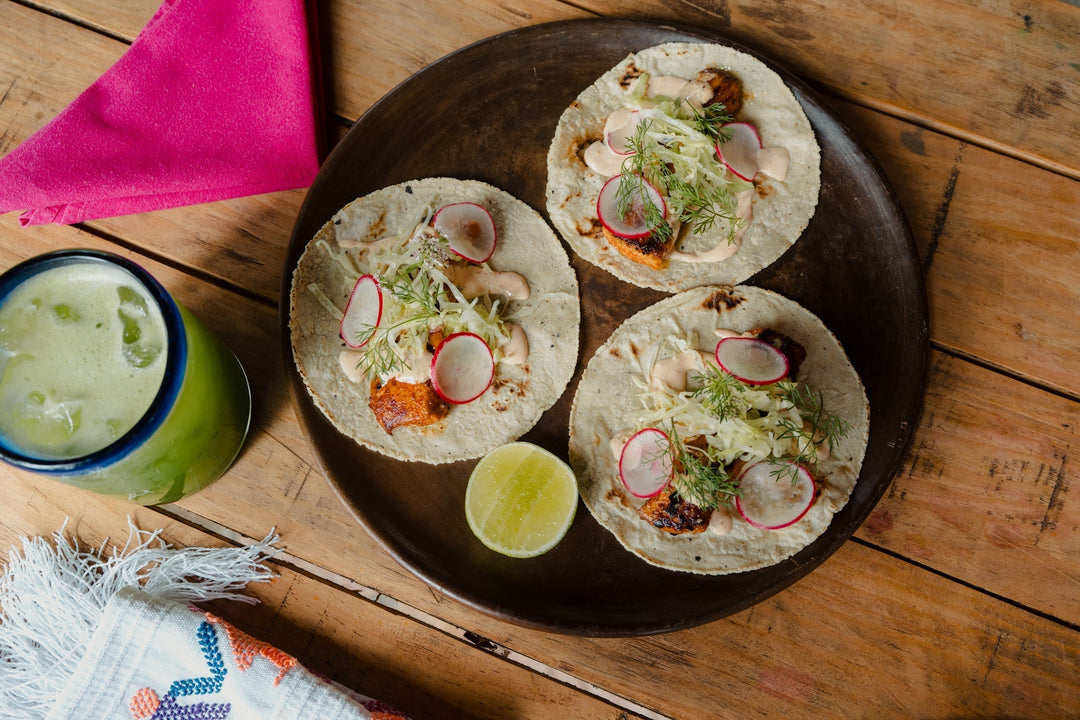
(719, 393)
(699, 480)
(710, 121)
(696, 195)
(413, 286)
(817, 427)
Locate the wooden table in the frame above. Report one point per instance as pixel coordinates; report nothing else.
(960, 595)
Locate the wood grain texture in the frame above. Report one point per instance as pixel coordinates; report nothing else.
(960, 200)
(1000, 242)
(937, 648)
(986, 494)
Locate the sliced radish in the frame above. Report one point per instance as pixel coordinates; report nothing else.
(362, 313)
(645, 466)
(620, 126)
(767, 497)
(751, 360)
(462, 368)
(739, 153)
(468, 228)
(633, 224)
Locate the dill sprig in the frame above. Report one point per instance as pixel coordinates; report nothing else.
(817, 426)
(710, 121)
(412, 285)
(691, 203)
(720, 393)
(703, 208)
(699, 480)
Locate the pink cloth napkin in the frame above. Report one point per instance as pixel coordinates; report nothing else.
(213, 100)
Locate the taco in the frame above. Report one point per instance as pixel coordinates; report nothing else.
(719, 430)
(686, 164)
(435, 319)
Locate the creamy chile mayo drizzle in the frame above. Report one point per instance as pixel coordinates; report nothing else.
(601, 159)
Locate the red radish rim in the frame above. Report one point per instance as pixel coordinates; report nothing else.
(622, 458)
(758, 343)
(803, 473)
(438, 387)
(720, 152)
(349, 306)
(456, 251)
(608, 188)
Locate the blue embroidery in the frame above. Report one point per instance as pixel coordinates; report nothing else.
(146, 705)
(204, 685)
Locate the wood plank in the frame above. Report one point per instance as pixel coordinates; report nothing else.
(1000, 240)
(930, 154)
(958, 198)
(984, 494)
(349, 639)
(936, 648)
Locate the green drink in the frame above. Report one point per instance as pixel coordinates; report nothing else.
(108, 384)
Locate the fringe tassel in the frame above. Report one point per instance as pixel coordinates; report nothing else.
(52, 597)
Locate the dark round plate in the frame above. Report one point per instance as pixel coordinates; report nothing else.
(488, 112)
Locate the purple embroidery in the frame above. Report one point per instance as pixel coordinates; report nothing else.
(169, 710)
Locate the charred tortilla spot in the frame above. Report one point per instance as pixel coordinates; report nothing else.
(616, 353)
(511, 387)
(635, 350)
(590, 227)
(576, 150)
(615, 496)
(632, 73)
(722, 300)
(378, 228)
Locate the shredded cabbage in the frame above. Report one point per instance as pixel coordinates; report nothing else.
(764, 423)
(675, 155)
(418, 299)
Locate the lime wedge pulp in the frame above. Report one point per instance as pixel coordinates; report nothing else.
(521, 500)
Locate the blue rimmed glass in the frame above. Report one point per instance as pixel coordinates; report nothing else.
(195, 425)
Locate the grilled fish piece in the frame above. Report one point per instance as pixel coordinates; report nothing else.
(649, 250)
(671, 514)
(400, 403)
(791, 349)
(726, 87)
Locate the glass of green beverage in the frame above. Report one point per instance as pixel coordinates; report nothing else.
(108, 384)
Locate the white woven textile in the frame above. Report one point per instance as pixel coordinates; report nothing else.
(88, 637)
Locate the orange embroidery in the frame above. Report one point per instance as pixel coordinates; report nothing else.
(245, 648)
(144, 703)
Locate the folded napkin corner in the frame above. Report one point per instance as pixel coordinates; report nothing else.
(215, 99)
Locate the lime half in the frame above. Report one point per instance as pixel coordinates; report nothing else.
(521, 500)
